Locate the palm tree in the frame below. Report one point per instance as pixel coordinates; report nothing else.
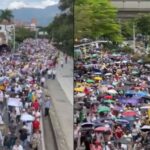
(6, 15)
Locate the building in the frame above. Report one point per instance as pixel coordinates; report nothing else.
(131, 8)
(32, 25)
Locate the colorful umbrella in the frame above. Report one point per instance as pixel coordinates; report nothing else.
(102, 129)
(103, 109)
(145, 128)
(90, 81)
(97, 78)
(108, 97)
(129, 113)
(80, 89)
(108, 101)
(122, 121)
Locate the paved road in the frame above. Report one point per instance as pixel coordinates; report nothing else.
(65, 77)
(63, 115)
(49, 140)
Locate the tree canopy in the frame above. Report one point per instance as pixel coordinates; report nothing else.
(6, 15)
(61, 29)
(95, 19)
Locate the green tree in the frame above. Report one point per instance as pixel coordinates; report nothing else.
(96, 18)
(23, 33)
(143, 24)
(61, 29)
(6, 15)
(127, 28)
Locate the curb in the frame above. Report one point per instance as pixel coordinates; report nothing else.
(58, 133)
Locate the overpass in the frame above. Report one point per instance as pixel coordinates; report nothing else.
(130, 8)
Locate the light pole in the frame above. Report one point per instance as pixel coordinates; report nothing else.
(14, 38)
(134, 39)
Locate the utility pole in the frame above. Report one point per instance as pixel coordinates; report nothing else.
(14, 38)
(134, 39)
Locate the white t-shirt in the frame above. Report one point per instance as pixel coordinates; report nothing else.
(15, 147)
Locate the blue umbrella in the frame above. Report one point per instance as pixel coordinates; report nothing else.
(142, 93)
(122, 121)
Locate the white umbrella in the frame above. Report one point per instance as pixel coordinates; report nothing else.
(145, 128)
(112, 91)
(27, 117)
(145, 107)
(80, 95)
(15, 102)
(108, 74)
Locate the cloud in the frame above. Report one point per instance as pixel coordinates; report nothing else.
(16, 4)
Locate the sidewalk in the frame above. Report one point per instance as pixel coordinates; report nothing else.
(61, 113)
(65, 78)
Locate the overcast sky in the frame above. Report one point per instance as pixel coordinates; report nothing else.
(15, 4)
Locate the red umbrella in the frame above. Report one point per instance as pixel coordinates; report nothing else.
(129, 113)
(108, 97)
(102, 129)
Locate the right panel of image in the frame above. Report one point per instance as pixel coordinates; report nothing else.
(111, 75)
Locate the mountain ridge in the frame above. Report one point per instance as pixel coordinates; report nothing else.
(43, 16)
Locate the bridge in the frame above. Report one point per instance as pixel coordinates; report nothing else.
(130, 8)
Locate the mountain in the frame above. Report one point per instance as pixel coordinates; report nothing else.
(43, 16)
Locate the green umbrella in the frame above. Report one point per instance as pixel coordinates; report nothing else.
(94, 55)
(135, 72)
(90, 81)
(108, 101)
(103, 109)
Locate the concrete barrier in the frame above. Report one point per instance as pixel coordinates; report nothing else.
(58, 133)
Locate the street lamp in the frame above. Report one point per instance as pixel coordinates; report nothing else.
(134, 39)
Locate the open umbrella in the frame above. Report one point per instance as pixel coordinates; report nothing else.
(80, 95)
(102, 129)
(27, 117)
(15, 102)
(97, 78)
(122, 121)
(129, 113)
(108, 97)
(109, 101)
(90, 81)
(103, 109)
(145, 107)
(87, 124)
(112, 91)
(108, 74)
(145, 128)
(79, 89)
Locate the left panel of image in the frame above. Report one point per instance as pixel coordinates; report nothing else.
(36, 75)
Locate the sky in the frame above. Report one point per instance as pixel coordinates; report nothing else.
(16, 4)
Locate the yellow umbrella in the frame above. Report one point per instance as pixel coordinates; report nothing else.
(97, 78)
(79, 89)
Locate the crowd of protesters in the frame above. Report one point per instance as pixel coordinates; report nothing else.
(111, 101)
(23, 74)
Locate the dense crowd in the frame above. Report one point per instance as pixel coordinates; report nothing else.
(111, 101)
(23, 74)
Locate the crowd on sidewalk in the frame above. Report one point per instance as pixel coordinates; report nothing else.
(23, 74)
(111, 101)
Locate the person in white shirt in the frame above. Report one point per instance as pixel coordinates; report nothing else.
(17, 146)
(49, 72)
(42, 81)
(54, 73)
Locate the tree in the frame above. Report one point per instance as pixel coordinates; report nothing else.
(127, 28)
(61, 29)
(6, 15)
(143, 24)
(96, 18)
(23, 33)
